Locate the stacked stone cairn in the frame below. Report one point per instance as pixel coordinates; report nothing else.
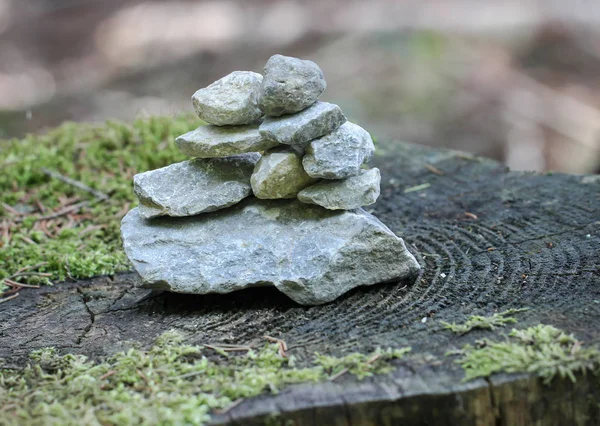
(272, 196)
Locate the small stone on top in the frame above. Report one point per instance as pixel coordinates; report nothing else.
(290, 85)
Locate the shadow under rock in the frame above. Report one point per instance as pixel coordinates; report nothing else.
(165, 303)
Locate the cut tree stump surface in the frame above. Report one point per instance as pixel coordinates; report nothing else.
(488, 240)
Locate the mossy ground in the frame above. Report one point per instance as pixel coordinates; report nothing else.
(474, 322)
(171, 384)
(83, 242)
(541, 350)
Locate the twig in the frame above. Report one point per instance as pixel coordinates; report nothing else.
(187, 375)
(31, 273)
(338, 374)
(108, 374)
(26, 239)
(59, 213)
(228, 348)
(230, 407)
(143, 376)
(576, 347)
(417, 188)
(44, 227)
(98, 194)
(281, 343)
(17, 284)
(91, 228)
(11, 209)
(471, 215)
(6, 299)
(345, 370)
(434, 170)
(7, 292)
(28, 268)
(5, 231)
(40, 206)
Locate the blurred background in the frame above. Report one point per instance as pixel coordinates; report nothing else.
(514, 80)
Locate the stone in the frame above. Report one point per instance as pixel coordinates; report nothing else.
(230, 101)
(340, 154)
(279, 174)
(297, 130)
(215, 141)
(350, 193)
(290, 85)
(194, 186)
(311, 254)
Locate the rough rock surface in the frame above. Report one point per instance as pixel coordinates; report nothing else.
(195, 186)
(290, 85)
(232, 100)
(279, 174)
(297, 130)
(340, 154)
(215, 141)
(353, 192)
(311, 254)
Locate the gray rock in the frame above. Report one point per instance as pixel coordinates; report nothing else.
(195, 186)
(290, 85)
(279, 174)
(340, 154)
(297, 130)
(216, 141)
(311, 254)
(350, 193)
(232, 100)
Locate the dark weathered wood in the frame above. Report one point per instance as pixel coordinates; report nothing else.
(534, 243)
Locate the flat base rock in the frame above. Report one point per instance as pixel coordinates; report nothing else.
(311, 254)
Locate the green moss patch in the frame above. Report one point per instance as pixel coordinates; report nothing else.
(171, 384)
(543, 350)
(63, 194)
(484, 323)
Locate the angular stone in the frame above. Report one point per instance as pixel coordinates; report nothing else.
(230, 101)
(350, 193)
(194, 186)
(297, 130)
(290, 85)
(311, 254)
(340, 154)
(279, 174)
(216, 141)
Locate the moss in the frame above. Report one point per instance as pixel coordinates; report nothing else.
(361, 365)
(484, 323)
(543, 350)
(171, 384)
(85, 242)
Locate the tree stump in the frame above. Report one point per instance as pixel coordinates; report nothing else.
(488, 239)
